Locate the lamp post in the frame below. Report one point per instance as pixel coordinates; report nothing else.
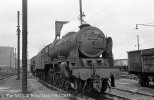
(137, 27)
(10, 61)
(15, 61)
(138, 42)
(142, 25)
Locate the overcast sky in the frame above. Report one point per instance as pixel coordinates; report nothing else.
(116, 18)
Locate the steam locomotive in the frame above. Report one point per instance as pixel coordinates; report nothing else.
(81, 61)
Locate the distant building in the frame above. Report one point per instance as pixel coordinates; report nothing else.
(7, 57)
(122, 64)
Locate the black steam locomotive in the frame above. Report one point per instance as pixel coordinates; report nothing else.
(81, 61)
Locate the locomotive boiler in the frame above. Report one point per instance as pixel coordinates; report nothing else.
(90, 42)
(81, 61)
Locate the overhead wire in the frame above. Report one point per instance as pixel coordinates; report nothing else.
(102, 10)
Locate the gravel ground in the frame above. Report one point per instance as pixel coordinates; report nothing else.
(10, 89)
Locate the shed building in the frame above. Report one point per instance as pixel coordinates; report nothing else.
(7, 57)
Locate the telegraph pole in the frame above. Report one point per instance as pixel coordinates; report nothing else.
(24, 46)
(18, 45)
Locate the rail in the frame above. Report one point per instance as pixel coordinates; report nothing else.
(134, 92)
(82, 97)
(115, 97)
(106, 96)
(4, 75)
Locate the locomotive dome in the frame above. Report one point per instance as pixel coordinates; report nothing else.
(91, 41)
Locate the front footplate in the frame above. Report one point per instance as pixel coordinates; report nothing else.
(105, 72)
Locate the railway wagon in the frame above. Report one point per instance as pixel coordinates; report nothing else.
(81, 61)
(141, 63)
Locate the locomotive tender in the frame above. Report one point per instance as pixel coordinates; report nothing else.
(80, 61)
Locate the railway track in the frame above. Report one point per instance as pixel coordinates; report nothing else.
(106, 96)
(126, 75)
(150, 95)
(80, 96)
(121, 94)
(110, 96)
(131, 94)
(4, 75)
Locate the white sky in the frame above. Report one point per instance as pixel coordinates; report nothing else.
(116, 18)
